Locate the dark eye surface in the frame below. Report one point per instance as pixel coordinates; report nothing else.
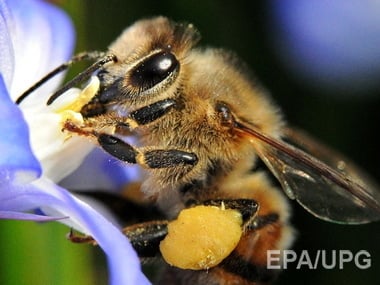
(153, 70)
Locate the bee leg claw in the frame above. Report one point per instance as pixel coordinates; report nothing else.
(75, 238)
(74, 128)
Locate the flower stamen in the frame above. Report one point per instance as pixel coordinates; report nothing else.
(69, 108)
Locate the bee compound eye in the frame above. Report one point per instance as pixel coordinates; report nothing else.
(154, 70)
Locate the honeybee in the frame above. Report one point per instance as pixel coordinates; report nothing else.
(209, 134)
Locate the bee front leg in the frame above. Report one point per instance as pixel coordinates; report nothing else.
(148, 158)
(152, 158)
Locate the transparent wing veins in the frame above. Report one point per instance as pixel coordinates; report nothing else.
(322, 190)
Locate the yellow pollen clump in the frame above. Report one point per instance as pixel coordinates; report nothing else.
(70, 109)
(201, 237)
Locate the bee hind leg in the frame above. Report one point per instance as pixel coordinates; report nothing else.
(248, 208)
(144, 237)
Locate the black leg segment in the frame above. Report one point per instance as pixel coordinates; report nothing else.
(169, 158)
(118, 148)
(247, 207)
(152, 112)
(146, 237)
(160, 158)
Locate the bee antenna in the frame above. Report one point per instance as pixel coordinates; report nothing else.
(77, 58)
(81, 76)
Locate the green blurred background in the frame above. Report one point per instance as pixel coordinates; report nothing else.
(39, 254)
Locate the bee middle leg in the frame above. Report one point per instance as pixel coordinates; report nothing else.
(144, 237)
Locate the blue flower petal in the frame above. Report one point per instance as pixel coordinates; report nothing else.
(124, 264)
(60, 24)
(6, 48)
(17, 162)
(42, 38)
(331, 44)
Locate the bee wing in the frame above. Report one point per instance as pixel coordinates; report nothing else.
(332, 158)
(331, 191)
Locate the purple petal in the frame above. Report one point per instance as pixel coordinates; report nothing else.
(330, 43)
(42, 38)
(17, 162)
(124, 264)
(6, 48)
(12, 215)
